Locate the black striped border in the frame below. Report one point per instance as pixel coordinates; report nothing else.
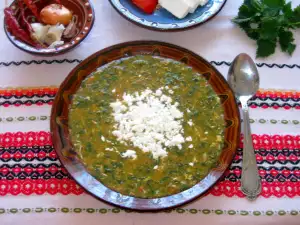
(71, 61)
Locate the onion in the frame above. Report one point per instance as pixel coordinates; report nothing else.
(56, 14)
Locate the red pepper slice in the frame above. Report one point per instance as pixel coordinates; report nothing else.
(30, 4)
(16, 30)
(148, 6)
(24, 22)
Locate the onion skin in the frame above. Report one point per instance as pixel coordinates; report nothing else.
(56, 14)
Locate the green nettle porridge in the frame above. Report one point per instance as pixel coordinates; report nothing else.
(147, 127)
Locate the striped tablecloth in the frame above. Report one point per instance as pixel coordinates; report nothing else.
(36, 189)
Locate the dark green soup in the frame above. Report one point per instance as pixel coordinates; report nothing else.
(122, 164)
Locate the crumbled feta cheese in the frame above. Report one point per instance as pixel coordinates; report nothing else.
(171, 92)
(113, 91)
(219, 138)
(117, 106)
(102, 138)
(191, 146)
(191, 164)
(190, 122)
(155, 167)
(188, 111)
(158, 92)
(129, 154)
(108, 149)
(148, 121)
(189, 138)
(206, 132)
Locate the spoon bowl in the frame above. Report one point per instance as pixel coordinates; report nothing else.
(243, 76)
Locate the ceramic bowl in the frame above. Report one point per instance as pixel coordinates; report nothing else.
(73, 164)
(82, 10)
(162, 20)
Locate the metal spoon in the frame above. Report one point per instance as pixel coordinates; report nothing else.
(243, 78)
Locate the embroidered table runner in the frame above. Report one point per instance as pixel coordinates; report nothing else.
(35, 188)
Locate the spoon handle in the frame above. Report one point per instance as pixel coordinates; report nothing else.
(251, 183)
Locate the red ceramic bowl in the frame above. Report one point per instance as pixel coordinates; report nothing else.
(82, 9)
(72, 162)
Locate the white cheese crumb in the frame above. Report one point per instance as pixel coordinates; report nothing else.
(108, 149)
(158, 92)
(191, 146)
(149, 121)
(191, 164)
(171, 92)
(189, 138)
(206, 132)
(102, 138)
(166, 87)
(190, 122)
(188, 111)
(155, 167)
(113, 91)
(129, 154)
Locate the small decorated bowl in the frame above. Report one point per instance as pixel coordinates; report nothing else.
(162, 20)
(83, 20)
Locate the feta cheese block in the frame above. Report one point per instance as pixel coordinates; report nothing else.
(179, 8)
(193, 4)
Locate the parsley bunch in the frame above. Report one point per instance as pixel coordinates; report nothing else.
(269, 22)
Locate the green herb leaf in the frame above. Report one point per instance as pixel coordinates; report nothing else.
(274, 3)
(256, 4)
(269, 28)
(295, 18)
(265, 48)
(287, 10)
(252, 33)
(286, 39)
(246, 11)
